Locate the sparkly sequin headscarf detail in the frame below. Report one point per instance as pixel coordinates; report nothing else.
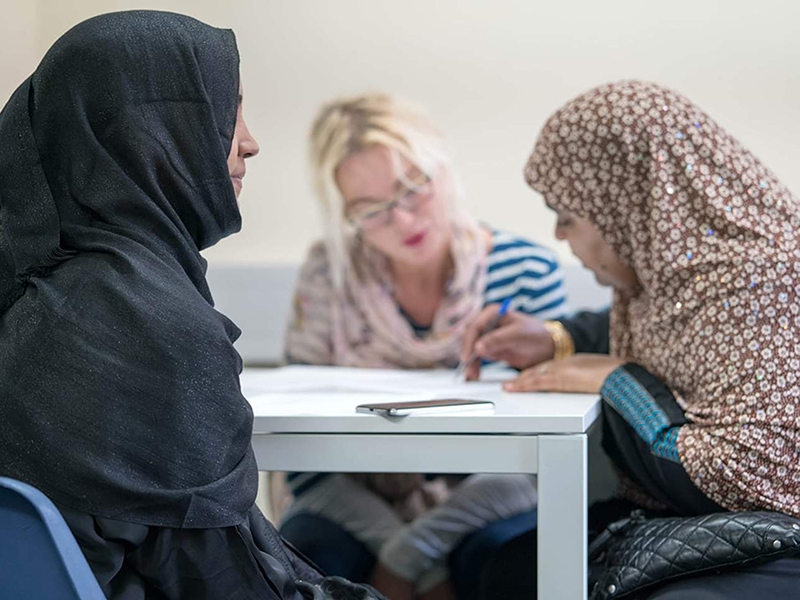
(713, 237)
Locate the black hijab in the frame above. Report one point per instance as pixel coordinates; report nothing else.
(119, 382)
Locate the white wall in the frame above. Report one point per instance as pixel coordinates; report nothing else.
(490, 72)
(19, 50)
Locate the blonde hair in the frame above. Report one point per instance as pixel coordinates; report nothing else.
(347, 126)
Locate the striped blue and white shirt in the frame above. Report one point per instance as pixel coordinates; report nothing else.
(516, 268)
(528, 273)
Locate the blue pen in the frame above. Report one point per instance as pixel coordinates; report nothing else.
(462, 366)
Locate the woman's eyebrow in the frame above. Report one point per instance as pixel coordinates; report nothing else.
(401, 181)
(398, 185)
(364, 201)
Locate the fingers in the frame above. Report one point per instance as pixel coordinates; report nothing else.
(476, 328)
(544, 377)
(497, 342)
(473, 370)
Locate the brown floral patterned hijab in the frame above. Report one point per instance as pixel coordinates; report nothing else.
(713, 237)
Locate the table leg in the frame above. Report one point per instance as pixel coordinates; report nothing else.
(562, 546)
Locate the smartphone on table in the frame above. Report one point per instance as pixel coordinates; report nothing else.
(418, 407)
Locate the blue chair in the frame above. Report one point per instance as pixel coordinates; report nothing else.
(39, 557)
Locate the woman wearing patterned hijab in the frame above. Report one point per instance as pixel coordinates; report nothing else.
(701, 390)
(121, 158)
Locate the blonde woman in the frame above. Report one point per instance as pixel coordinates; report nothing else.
(397, 280)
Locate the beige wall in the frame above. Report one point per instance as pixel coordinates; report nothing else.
(489, 71)
(18, 45)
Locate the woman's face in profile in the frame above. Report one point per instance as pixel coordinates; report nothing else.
(243, 147)
(399, 209)
(588, 245)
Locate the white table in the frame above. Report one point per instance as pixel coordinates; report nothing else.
(305, 420)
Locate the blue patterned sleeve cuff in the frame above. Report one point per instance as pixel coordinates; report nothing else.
(647, 405)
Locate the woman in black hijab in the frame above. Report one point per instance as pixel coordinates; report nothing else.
(120, 159)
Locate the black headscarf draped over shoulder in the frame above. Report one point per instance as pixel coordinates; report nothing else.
(119, 382)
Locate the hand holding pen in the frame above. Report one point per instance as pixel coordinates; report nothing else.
(494, 321)
(519, 339)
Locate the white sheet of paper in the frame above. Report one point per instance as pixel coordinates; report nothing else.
(408, 384)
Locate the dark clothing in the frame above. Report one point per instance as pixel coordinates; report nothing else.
(640, 425)
(777, 580)
(329, 545)
(139, 562)
(119, 382)
(589, 331)
(490, 563)
(641, 419)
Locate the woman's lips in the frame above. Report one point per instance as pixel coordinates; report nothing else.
(415, 239)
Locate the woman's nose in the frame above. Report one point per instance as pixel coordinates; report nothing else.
(249, 146)
(402, 218)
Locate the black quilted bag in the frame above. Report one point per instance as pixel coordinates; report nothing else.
(637, 553)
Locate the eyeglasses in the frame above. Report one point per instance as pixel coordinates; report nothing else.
(415, 189)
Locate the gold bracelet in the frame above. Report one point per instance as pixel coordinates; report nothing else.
(565, 346)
